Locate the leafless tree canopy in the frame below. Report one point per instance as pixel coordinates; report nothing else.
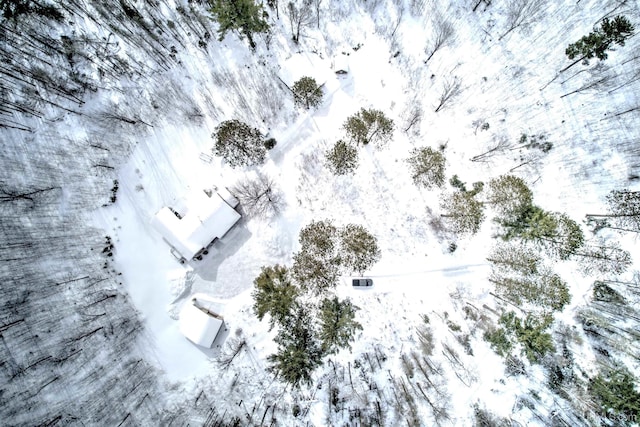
(301, 16)
(259, 196)
(450, 89)
(521, 13)
(442, 34)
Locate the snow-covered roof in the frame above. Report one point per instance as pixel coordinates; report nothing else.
(203, 219)
(341, 63)
(199, 327)
(304, 65)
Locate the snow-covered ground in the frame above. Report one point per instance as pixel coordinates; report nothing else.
(417, 274)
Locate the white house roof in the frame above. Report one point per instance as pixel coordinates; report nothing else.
(341, 63)
(203, 219)
(199, 327)
(304, 65)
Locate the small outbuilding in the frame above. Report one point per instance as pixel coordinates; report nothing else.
(341, 64)
(199, 325)
(196, 222)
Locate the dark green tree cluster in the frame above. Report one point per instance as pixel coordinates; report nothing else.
(369, 126)
(555, 232)
(307, 93)
(599, 41)
(326, 252)
(299, 351)
(308, 331)
(614, 390)
(342, 158)
(239, 144)
(302, 345)
(338, 326)
(529, 332)
(243, 16)
(274, 294)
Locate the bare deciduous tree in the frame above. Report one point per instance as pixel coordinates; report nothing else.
(259, 196)
(450, 89)
(300, 17)
(477, 3)
(521, 13)
(501, 145)
(442, 33)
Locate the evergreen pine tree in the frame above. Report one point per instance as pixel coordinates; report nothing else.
(307, 93)
(316, 265)
(244, 16)
(510, 196)
(530, 333)
(274, 294)
(463, 211)
(514, 258)
(337, 324)
(615, 391)
(239, 144)
(342, 159)
(545, 289)
(624, 211)
(369, 126)
(358, 248)
(427, 167)
(299, 352)
(599, 41)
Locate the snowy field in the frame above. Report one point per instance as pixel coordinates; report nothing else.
(510, 82)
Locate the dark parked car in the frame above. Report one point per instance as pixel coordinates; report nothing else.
(362, 282)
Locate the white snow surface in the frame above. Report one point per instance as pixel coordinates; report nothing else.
(416, 274)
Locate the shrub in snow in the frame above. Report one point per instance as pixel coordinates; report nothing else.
(342, 159)
(307, 93)
(239, 144)
(451, 88)
(270, 143)
(369, 126)
(427, 167)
